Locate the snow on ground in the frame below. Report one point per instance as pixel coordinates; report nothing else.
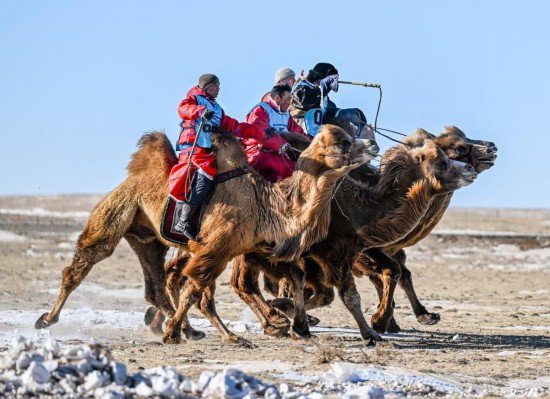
(45, 213)
(11, 237)
(348, 380)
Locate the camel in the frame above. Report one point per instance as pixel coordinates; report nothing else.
(480, 154)
(281, 219)
(362, 218)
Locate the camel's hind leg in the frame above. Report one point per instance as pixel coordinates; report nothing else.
(174, 283)
(103, 231)
(405, 282)
(244, 280)
(151, 254)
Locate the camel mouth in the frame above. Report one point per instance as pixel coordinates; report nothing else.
(487, 161)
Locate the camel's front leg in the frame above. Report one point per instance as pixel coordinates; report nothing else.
(207, 306)
(174, 283)
(388, 271)
(190, 295)
(300, 326)
(244, 280)
(352, 300)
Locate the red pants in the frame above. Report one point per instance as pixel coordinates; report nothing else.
(181, 176)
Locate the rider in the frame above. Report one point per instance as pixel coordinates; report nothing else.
(270, 157)
(312, 94)
(283, 76)
(198, 107)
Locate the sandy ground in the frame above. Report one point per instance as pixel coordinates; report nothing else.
(486, 271)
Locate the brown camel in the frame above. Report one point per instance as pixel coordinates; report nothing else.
(281, 219)
(480, 154)
(362, 217)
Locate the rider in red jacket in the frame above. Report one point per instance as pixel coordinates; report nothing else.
(191, 185)
(269, 156)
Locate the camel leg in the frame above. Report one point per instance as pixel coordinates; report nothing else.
(389, 272)
(352, 300)
(244, 280)
(299, 327)
(392, 327)
(201, 271)
(174, 282)
(151, 256)
(207, 306)
(421, 313)
(104, 229)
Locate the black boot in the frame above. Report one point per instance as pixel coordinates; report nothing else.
(185, 224)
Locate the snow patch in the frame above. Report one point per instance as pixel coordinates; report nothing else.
(45, 213)
(8, 236)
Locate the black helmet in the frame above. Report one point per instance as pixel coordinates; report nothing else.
(320, 71)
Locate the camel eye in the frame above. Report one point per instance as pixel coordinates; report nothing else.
(461, 149)
(442, 165)
(346, 144)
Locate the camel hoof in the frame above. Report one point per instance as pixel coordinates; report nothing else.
(301, 333)
(312, 320)
(237, 340)
(43, 323)
(171, 339)
(273, 331)
(428, 319)
(149, 315)
(194, 335)
(379, 325)
(393, 327)
(156, 328)
(285, 305)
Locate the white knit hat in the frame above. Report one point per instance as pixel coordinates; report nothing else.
(283, 73)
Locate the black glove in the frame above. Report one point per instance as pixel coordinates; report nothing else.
(207, 114)
(269, 131)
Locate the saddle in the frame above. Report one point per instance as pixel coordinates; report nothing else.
(172, 209)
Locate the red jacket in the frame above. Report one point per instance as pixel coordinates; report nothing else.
(189, 111)
(267, 156)
(258, 116)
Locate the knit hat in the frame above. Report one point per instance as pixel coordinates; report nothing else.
(283, 73)
(207, 79)
(320, 71)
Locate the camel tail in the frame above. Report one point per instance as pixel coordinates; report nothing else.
(111, 218)
(155, 156)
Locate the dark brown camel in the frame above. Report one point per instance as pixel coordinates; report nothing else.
(480, 154)
(362, 217)
(247, 207)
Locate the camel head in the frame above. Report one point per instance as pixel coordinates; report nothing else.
(229, 152)
(480, 154)
(333, 148)
(445, 174)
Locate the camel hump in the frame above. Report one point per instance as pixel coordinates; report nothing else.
(154, 151)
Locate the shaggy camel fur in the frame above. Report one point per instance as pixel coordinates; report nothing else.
(280, 220)
(247, 207)
(481, 155)
(363, 217)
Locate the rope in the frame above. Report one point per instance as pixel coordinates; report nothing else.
(335, 200)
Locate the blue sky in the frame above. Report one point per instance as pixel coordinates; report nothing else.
(81, 81)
